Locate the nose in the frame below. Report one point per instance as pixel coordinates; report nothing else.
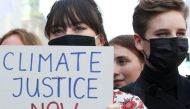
(69, 30)
(116, 69)
(174, 35)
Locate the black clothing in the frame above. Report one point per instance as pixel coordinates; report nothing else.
(188, 77)
(160, 90)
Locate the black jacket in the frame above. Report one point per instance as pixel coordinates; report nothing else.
(161, 91)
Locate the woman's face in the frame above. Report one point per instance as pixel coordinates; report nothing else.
(127, 66)
(12, 40)
(165, 25)
(80, 29)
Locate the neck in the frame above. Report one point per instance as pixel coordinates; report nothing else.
(149, 65)
(164, 80)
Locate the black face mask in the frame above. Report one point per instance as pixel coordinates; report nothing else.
(73, 40)
(166, 54)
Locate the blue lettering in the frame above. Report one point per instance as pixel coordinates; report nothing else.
(58, 84)
(31, 61)
(64, 62)
(91, 88)
(69, 87)
(74, 88)
(45, 59)
(45, 84)
(20, 92)
(78, 58)
(20, 64)
(36, 92)
(94, 62)
(4, 61)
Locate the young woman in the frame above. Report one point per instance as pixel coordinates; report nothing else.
(79, 22)
(128, 60)
(160, 34)
(70, 21)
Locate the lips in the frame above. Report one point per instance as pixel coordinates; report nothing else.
(119, 83)
(118, 80)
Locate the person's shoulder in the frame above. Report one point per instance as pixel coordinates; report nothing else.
(137, 86)
(126, 100)
(128, 88)
(184, 86)
(184, 80)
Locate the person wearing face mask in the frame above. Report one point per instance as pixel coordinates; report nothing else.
(75, 22)
(79, 23)
(160, 34)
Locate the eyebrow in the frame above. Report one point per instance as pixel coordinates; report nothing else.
(122, 57)
(164, 30)
(183, 29)
(59, 25)
(159, 30)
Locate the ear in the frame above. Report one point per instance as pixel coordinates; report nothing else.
(138, 41)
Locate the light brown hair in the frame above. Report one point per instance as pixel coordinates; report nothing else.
(27, 38)
(127, 42)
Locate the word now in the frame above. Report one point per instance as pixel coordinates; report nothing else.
(51, 105)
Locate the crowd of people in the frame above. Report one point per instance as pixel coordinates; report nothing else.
(145, 64)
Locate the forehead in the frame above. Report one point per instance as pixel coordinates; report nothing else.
(122, 51)
(12, 40)
(167, 20)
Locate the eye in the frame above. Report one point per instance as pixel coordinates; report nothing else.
(181, 34)
(79, 28)
(121, 61)
(162, 34)
(57, 31)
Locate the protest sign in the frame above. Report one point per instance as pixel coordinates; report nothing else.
(56, 77)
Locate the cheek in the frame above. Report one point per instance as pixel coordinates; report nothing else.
(120, 68)
(51, 38)
(137, 68)
(133, 68)
(54, 37)
(90, 32)
(125, 70)
(146, 48)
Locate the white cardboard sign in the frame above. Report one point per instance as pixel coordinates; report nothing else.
(55, 77)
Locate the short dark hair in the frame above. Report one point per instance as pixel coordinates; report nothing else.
(147, 9)
(74, 12)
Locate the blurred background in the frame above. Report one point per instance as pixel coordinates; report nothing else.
(31, 15)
